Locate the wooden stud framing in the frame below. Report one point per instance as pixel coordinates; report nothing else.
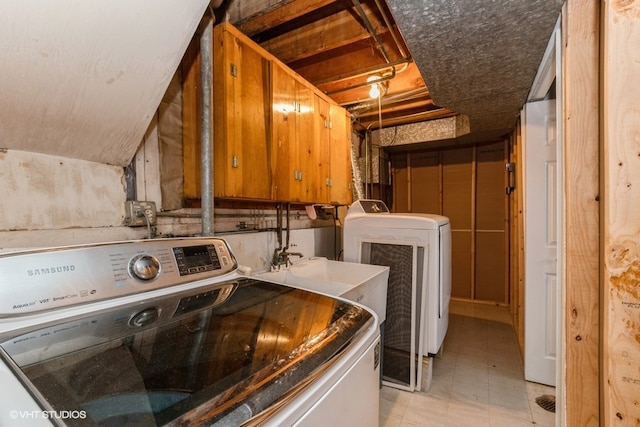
(581, 151)
(516, 284)
(507, 226)
(621, 222)
(474, 191)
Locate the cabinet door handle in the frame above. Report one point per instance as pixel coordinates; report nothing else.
(234, 161)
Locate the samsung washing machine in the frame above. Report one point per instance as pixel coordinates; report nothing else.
(167, 332)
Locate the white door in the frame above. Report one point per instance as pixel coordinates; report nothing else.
(541, 241)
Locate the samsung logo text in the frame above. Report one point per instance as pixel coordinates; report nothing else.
(51, 270)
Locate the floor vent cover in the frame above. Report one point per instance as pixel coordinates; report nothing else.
(547, 402)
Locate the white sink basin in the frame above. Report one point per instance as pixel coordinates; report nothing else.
(363, 283)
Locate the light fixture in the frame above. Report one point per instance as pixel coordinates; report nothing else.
(378, 87)
(375, 91)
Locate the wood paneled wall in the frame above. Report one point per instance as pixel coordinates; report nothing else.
(467, 185)
(516, 236)
(491, 228)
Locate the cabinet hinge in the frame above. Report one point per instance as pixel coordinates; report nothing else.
(233, 69)
(234, 161)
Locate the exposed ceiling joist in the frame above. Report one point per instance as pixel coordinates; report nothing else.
(479, 57)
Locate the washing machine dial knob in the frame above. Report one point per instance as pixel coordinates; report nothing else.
(144, 267)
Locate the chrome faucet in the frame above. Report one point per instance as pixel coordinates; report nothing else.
(281, 254)
(290, 254)
(282, 257)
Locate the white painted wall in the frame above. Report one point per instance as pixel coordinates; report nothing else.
(255, 249)
(54, 201)
(82, 79)
(42, 192)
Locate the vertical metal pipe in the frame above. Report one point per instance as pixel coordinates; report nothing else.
(286, 247)
(367, 137)
(206, 139)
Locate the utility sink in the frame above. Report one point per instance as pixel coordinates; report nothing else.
(362, 283)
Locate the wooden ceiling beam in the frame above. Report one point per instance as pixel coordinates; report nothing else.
(407, 80)
(328, 44)
(327, 35)
(278, 14)
(347, 60)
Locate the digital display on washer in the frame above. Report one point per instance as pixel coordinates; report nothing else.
(196, 259)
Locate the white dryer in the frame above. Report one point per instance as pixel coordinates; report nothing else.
(417, 248)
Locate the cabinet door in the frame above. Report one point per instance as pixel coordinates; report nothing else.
(285, 151)
(295, 161)
(323, 159)
(340, 136)
(307, 144)
(241, 119)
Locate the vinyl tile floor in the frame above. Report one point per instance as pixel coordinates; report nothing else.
(478, 379)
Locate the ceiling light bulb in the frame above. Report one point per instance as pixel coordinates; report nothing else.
(375, 91)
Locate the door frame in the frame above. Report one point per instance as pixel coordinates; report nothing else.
(550, 70)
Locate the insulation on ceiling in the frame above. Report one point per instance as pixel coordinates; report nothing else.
(478, 57)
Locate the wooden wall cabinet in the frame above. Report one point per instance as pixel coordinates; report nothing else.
(241, 118)
(276, 137)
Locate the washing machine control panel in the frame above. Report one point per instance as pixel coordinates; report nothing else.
(369, 206)
(41, 280)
